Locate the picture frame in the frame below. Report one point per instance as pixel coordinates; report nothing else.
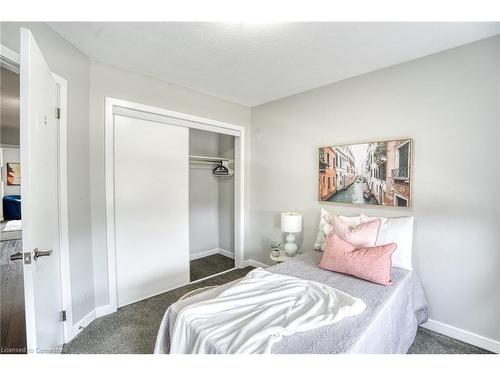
(13, 174)
(371, 173)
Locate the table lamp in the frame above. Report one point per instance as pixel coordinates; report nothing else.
(291, 223)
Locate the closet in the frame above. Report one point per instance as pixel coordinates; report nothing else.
(211, 203)
(151, 184)
(173, 200)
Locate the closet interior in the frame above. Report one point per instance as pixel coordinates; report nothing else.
(211, 203)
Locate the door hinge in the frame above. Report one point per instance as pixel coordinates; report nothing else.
(63, 315)
(58, 113)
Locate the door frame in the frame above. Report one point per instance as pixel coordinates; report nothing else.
(126, 108)
(11, 60)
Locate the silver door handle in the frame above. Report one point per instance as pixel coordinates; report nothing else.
(26, 257)
(16, 256)
(38, 253)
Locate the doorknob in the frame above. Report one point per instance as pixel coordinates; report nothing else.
(26, 257)
(38, 253)
(16, 256)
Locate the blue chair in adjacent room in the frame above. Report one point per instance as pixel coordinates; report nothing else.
(12, 207)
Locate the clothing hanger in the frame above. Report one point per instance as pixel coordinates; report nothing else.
(221, 170)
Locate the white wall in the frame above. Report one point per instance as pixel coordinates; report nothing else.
(66, 61)
(107, 80)
(449, 104)
(9, 107)
(9, 135)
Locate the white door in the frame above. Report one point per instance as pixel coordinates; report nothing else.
(151, 172)
(39, 191)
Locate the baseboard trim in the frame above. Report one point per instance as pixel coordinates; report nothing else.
(254, 263)
(87, 319)
(81, 324)
(463, 335)
(203, 254)
(226, 253)
(104, 310)
(207, 253)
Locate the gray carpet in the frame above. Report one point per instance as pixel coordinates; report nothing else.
(211, 265)
(11, 235)
(133, 329)
(429, 342)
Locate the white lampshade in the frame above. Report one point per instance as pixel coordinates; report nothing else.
(291, 222)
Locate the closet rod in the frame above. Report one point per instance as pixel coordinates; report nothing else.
(206, 162)
(209, 159)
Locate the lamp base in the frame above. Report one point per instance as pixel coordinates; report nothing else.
(290, 247)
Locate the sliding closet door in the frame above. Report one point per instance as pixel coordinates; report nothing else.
(151, 207)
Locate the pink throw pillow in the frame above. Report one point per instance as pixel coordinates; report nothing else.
(361, 235)
(369, 263)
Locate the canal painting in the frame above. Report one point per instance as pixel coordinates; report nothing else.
(376, 173)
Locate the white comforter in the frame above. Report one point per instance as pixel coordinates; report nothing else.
(257, 312)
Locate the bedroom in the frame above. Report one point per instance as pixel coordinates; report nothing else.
(329, 135)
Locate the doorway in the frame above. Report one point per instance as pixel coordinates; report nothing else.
(18, 334)
(12, 311)
(211, 203)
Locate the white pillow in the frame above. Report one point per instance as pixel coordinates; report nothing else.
(400, 231)
(325, 227)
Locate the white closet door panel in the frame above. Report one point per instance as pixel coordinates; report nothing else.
(151, 207)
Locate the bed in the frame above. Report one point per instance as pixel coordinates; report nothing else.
(388, 324)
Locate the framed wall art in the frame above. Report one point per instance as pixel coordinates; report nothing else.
(14, 174)
(374, 173)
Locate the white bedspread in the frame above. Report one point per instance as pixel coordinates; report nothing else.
(257, 312)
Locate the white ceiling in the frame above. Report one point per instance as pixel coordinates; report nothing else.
(253, 64)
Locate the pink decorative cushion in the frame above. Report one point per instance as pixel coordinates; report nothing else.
(361, 235)
(369, 263)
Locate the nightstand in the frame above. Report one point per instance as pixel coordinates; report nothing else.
(281, 258)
